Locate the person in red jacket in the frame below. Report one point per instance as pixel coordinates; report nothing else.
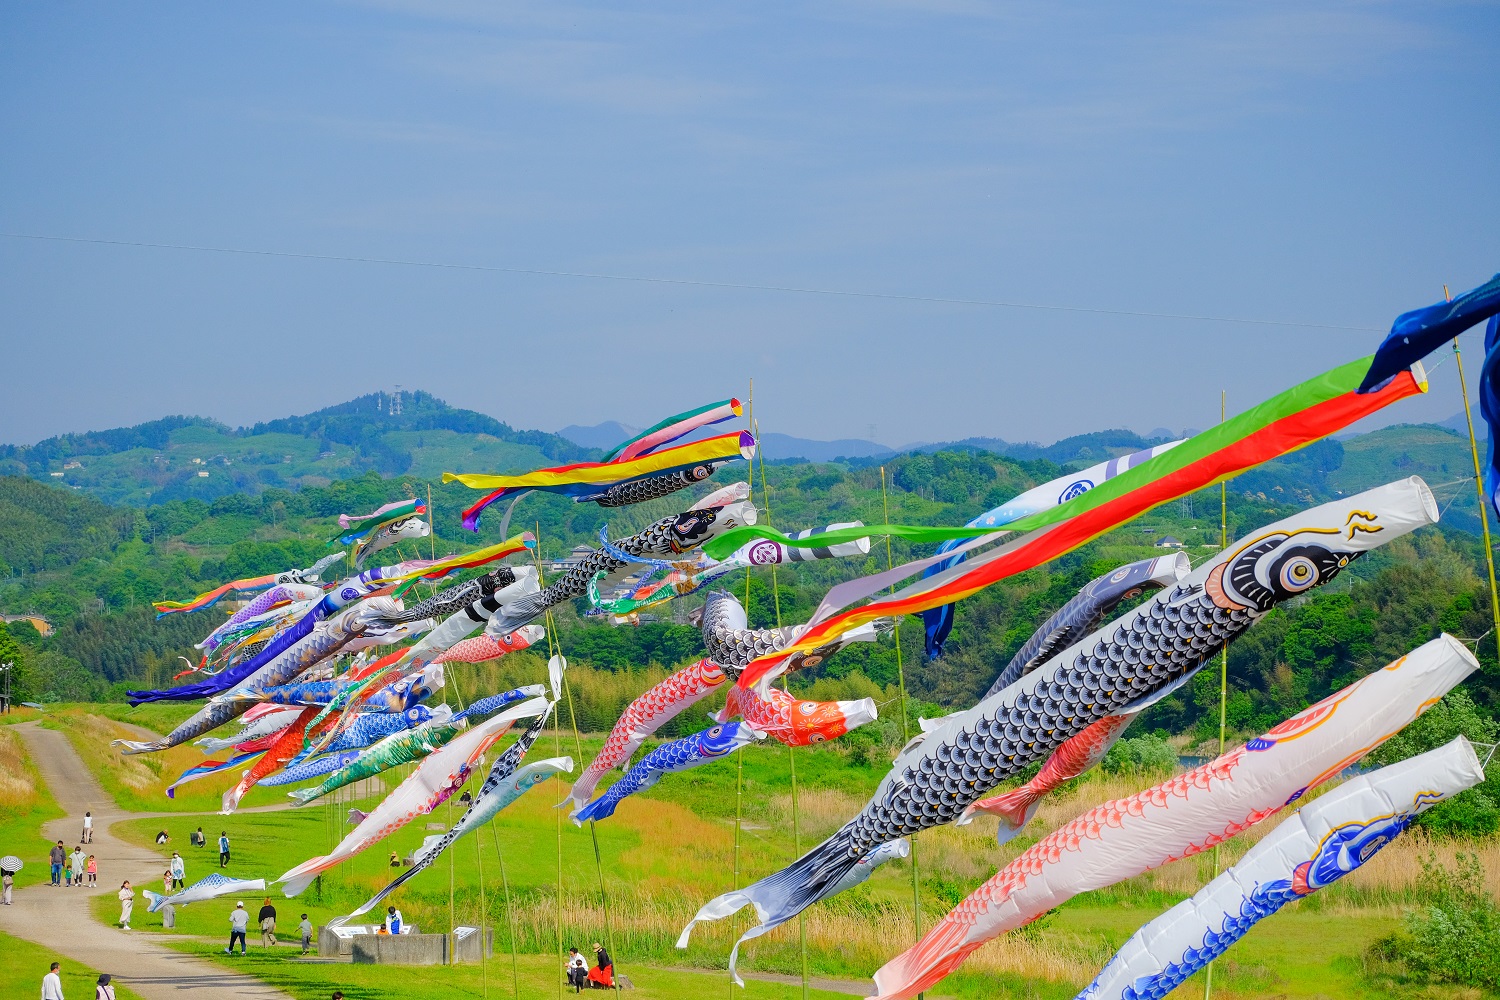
(602, 975)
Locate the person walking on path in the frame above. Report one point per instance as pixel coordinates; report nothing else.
(92, 867)
(179, 871)
(78, 862)
(7, 881)
(88, 828)
(223, 849)
(267, 920)
(52, 983)
(239, 920)
(127, 903)
(306, 930)
(57, 856)
(103, 990)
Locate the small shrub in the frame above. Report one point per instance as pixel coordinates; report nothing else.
(1455, 938)
(1144, 755)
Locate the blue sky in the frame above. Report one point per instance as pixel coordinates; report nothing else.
(1315, 163)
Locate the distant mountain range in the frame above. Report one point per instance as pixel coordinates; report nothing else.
(419, 435)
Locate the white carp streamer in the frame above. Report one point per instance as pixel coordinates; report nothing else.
(1321, 843)
(1187, 814)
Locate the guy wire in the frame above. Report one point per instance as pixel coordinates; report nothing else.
(916, 877)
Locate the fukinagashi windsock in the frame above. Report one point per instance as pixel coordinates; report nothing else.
(679, 755)
(1154, 646)
(209, 598)
(632, 476)
(437, 777)
(662, 702)
(1418, 333)
(1294, 418)
(1324, 841)
(938, 622)
(1186, 814)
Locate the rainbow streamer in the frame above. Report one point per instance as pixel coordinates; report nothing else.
(209, 598)
(673, 428)
(591, 477)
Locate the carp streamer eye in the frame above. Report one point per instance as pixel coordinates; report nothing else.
(1298, 574)
(808, 707)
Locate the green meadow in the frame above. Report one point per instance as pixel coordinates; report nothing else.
(533, 877)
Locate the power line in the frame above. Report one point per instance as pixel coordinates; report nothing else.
(696, 283)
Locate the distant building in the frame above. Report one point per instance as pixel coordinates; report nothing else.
(75, 464)
(55, 475)
(201, 475)
(578, 555)
(1168, 542)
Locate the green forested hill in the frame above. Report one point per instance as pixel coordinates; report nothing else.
(179, 458)
(92, 568)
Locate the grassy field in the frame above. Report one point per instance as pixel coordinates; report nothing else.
(668, 850)
(23, 964)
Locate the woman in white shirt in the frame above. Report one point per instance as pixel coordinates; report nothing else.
(127, 903)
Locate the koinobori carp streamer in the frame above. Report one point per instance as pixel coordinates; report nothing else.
(1186, 814)
(1159, 644)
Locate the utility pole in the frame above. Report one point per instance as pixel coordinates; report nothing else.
(5, 672)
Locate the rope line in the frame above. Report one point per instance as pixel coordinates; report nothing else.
(916, 875)
(510, 914)
(791, 752)
(700, 283)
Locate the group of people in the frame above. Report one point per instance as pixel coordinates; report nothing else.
(600, 977)
(70, 869)
(239, 924)
(52, 985)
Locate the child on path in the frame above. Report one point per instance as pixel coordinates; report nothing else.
(306, 930)
(93, 869)
(127, 903)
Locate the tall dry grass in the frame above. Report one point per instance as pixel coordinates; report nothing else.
(19, 782)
